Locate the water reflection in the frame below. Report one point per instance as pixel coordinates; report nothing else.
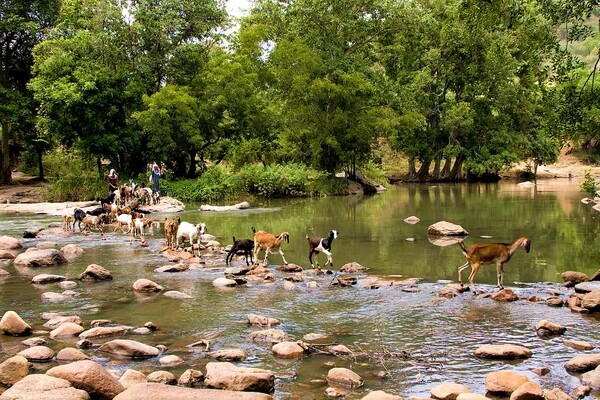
(439, 335)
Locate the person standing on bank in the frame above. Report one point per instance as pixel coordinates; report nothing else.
(155, 177)
(113, 182)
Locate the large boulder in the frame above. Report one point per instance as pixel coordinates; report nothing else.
(13, 370)
(132, 377)
(572, 278)
(94, 273)
(591, 300)
(40, 258)
(586, 287)
(505, 295)
(448, 391)
(191, 378)
(288, 350)
(102, 331)
(546, 328)
(43, 387)
(66, 329)
(41, 279)
(129, 348)
(55, 322)
(583, 362)
(10, 243)
(146, 286)
(157, 391)
(259, 320)
(592, 378)
(72, 252)
(12, 324)
(268, 336)
(89, 376)
(381, 395)
(224, 375)
(444, 228)
(504, 382)
(70, 354)
(164, 377)
(528, 391)
(37, 353)
(228, 355)
(503, 351)
(343, 377)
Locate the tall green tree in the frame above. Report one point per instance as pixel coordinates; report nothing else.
(23, 24)
(322, 56)
(476, 70)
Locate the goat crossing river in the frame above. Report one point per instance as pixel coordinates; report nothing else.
(393, 320)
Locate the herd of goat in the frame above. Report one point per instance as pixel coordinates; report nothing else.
(121, 208)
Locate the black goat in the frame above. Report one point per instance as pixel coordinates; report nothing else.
(321, 245)
(79, 215)
(96, 211)
(244, 246)
(106, 200)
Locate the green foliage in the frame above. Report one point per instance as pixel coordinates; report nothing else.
(216, 183)
(589, 185)
(291, 180)
(71, 178)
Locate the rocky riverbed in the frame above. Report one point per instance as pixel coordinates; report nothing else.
(65, 355)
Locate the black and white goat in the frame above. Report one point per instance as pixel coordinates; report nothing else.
(244, 246)
(321, 245)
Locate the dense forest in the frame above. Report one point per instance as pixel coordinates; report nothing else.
(459, 87)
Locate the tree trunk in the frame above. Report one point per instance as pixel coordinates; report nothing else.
(446, 169)
(412, 170)
(457, 168)
(535, 167)
(192, 171)
(5, 173)
(40, 154)
(423, 172)
(436, 166)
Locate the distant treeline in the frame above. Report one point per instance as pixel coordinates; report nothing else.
(460, 87)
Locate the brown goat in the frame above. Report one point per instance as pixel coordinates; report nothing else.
(68, 222)
(269, 242)
(490, 253)
(94, 221)
(171, 227)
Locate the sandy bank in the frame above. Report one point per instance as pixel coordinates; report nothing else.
(167, 205)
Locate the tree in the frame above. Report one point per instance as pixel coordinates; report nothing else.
(23, 24)
(322, 57)
(476, 71)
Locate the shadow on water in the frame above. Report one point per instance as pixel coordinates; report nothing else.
(433, 338)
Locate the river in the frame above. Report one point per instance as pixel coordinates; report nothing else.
(436, 336)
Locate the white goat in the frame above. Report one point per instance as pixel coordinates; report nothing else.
(190, 232)
(125, 219)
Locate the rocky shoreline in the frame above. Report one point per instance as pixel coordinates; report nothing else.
(81, 372)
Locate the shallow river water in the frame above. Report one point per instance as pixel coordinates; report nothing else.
(435, 336)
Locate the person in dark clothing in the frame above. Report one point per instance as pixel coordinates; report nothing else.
(113, 181)
(155, 177)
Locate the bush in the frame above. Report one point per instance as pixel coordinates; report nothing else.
(71, 178)
(291, 180)
(215, 184)
(589, 184)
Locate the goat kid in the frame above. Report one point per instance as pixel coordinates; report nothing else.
(271, 244)
(94, 221)
(68, 222)
(490, 253)
(140, 225)
(321, 245)
(171, 227)
(124, 219)
(244, 246)
(190, 232)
